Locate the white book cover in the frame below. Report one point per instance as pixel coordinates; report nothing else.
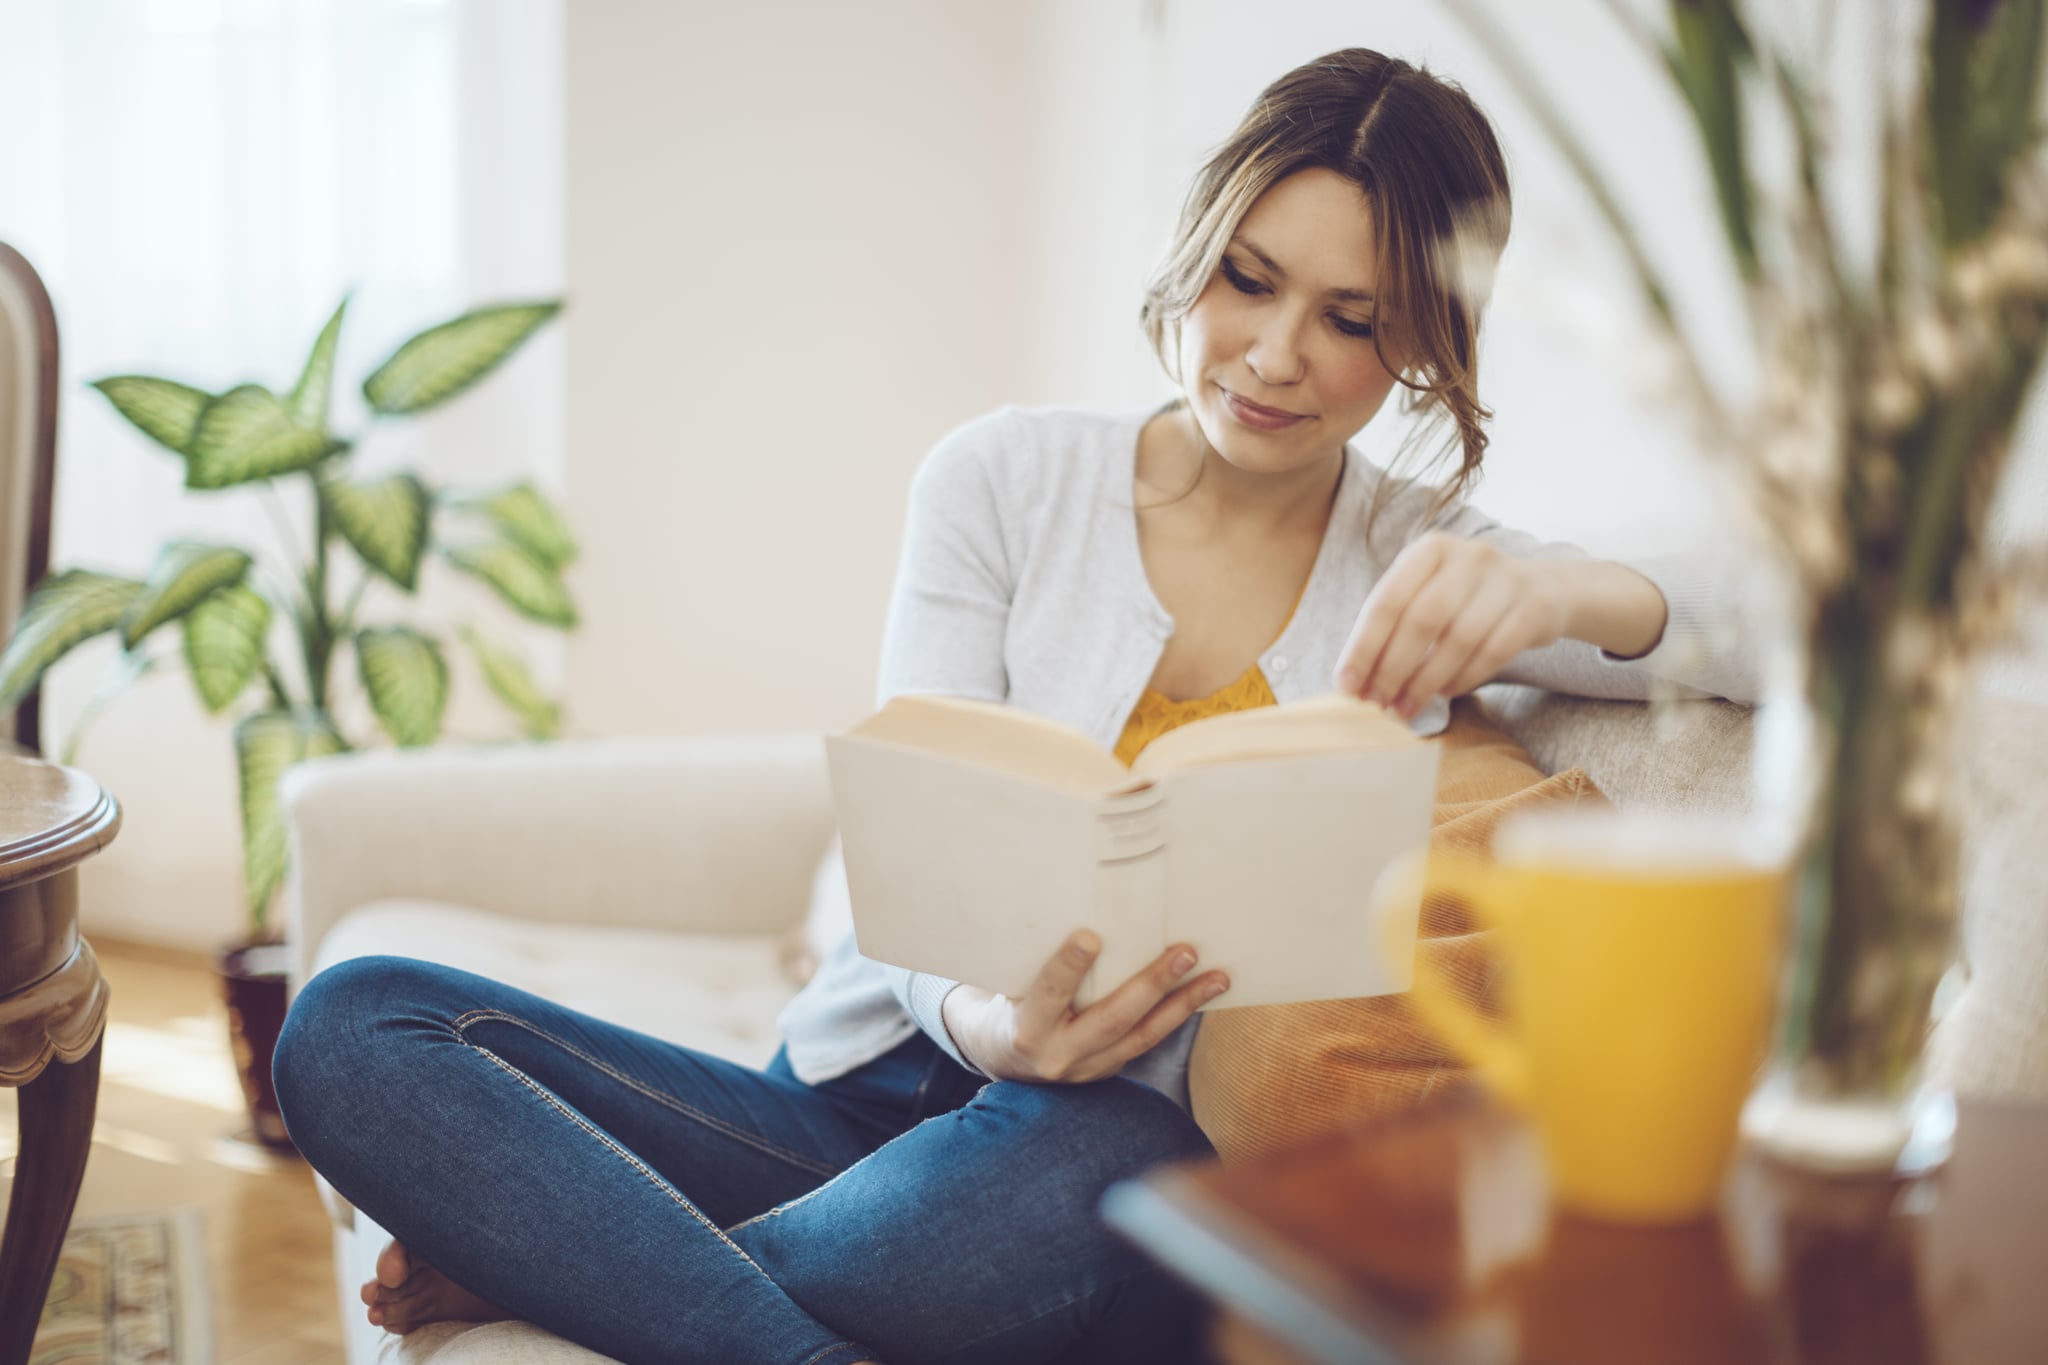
(978, 836)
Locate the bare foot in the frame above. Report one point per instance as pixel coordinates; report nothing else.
(409, 1293)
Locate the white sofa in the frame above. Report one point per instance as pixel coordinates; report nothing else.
(664, 883)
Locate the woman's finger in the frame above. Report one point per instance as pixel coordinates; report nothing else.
(1381, 614)
(1105, 1022)
(1501, 645)
(1458, 643)
(1163, 1018)
(1423, 621)
(1051, 996)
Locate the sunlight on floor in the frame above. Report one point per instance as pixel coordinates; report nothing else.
(189, 1060)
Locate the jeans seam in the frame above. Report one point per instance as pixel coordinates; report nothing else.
(787, 1205)
(814, 1357)
(740, 1135)
(625, 1156)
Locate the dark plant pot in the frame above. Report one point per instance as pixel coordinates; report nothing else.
(253, 977)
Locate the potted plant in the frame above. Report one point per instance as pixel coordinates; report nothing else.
(212, 607)
(1892, 382)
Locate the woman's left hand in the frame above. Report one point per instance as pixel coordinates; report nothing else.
(1447, 616)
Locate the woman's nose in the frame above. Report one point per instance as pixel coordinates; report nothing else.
(1275, 356)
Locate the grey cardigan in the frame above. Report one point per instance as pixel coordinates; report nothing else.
(1020, 581)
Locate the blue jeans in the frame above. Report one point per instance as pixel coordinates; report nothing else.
(659, 1204)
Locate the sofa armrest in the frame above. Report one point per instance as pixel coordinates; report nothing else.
(708, 834)
(1695, 754)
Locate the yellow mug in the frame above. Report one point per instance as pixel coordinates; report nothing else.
(1640, 953)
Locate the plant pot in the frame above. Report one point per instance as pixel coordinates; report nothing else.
(253, 978)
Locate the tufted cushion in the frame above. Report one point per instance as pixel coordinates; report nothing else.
(718, 993)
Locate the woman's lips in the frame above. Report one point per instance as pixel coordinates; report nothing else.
(1252, 415)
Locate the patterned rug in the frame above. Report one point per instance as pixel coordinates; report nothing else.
(129, 1290)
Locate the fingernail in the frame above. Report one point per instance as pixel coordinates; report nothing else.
(1215, 989)
(1087, 942)
(1182, 963)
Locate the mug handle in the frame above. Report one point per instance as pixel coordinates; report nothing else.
(1495, 1054)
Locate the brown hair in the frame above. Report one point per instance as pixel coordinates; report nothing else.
(1433, 173)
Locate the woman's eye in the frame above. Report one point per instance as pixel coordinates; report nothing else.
(1240, 282)
(1353, 329)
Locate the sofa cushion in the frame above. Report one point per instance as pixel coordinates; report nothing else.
(718, 993)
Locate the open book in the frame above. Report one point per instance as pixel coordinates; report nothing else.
(978, 836)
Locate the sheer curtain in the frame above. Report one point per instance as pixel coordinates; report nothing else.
(199, 182)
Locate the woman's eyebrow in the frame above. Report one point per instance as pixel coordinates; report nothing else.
(1349, 295)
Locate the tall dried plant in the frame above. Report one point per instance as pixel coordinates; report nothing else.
(1890, 391)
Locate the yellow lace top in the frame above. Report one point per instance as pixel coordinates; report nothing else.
(1156, 713)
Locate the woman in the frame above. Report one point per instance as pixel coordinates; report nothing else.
(914, 1177)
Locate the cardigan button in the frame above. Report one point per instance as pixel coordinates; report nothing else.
(1278, 663)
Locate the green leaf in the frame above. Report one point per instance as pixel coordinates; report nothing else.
(1710, 41)
(524, 516)
(267, 745)
(164, 410)
(186, 573)
(65, 610)
(1983, 78)
(385, 520)
(316, 381)
(514, 685)
(249, 433)
(224, 639)
(128, 668)
(443, 361)
(407, 680)
(524, 580)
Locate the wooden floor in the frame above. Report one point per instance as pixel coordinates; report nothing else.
(164, 1137)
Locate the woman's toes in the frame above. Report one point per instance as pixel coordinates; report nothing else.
(394, 1264)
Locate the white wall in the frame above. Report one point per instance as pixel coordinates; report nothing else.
(799, 251)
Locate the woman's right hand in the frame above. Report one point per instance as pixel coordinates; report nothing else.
(1042, 1037)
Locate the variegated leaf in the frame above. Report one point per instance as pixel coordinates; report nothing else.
(249, 433)
(386, 521)
(186, 573)
(524, 516)
(162, 409)
(268, 744)
(224, 640)
(65, 610)
(407, 680)
(442, 361)
(316, 381)
(510, 679)
(523, 579)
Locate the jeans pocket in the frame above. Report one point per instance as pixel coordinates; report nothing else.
(944, 1087)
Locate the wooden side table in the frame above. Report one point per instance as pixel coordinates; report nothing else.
(53, 1013)
(1430, 1239)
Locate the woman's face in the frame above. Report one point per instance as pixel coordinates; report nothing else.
(1286, 323)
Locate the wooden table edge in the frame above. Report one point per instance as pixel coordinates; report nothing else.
(1246, 1269)
(64, 846)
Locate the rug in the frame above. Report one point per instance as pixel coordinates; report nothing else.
(129, 1290)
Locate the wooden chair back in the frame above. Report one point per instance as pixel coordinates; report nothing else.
(28, 457)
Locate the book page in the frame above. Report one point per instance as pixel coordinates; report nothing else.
(991, 735)
(1333, 723)
(1272, 867)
